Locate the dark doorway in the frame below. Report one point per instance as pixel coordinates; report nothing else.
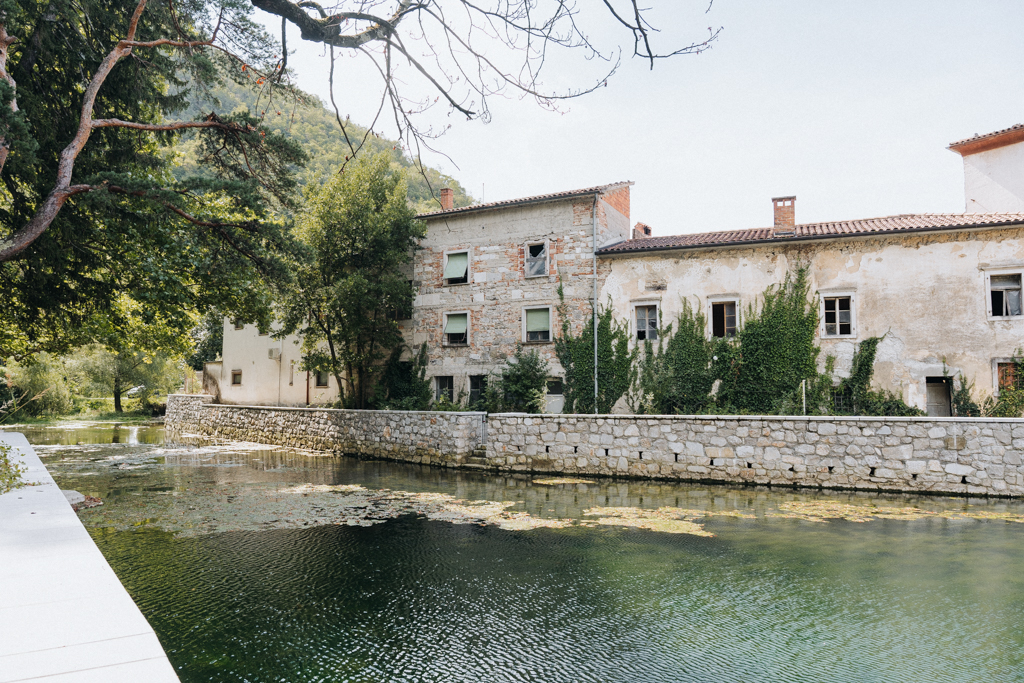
(938, 396)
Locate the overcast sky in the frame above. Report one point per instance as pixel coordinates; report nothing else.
(847, 105)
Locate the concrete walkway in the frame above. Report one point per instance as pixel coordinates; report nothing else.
(64, 615)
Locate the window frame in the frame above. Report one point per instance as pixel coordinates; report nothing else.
(547, 258)
(469, 266)
(710, 313)
(444, 324)
(838, 294)
(633, 325)
(551, 324)
(451, 387)
(989, 272)
(996, 362)
(316, 380)
(234, 374)
(481, 392)
(238, 324)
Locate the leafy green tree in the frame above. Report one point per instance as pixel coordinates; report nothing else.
(207, 339)
(403, 383)
(576, 354)
(42, 386)
(143, 352)
(90, 210)
(521, 386)
(358, 232)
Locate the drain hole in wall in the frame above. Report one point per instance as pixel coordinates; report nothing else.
(963, 480)
(831, 468)
(575, 449)
(750, 465)
(547, 449)
(872, 472)
(677, 457)
(641, 455)
(790, 468)
(914, 477)
(606, 452)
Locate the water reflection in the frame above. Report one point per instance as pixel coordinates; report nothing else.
(767, 598)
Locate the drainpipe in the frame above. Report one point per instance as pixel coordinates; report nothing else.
(595, 301)
(307, 388)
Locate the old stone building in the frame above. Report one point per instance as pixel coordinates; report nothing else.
(944, 289)
(487, 278)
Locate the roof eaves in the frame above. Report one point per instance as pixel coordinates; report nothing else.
(525, 201)
(612, 251)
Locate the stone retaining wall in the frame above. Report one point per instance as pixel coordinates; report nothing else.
(432, 438)
(963, 456)
(927, 455)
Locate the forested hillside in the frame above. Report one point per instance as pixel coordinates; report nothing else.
(307, 121)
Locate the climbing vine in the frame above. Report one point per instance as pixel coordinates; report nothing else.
(1010, 402)
(776, 348)
(615, 361)
(771, 367)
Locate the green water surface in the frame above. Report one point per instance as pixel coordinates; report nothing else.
(245, 580)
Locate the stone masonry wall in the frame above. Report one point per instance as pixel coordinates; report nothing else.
(432, 438)
(961, 456)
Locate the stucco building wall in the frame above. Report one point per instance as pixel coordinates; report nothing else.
(926, 293)
(266, 380)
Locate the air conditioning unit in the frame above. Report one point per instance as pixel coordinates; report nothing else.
(274, 354)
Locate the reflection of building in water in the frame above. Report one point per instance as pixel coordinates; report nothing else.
(943, 289)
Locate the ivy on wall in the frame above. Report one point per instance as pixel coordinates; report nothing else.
(776, 348)
(615, 361)
(770, 367)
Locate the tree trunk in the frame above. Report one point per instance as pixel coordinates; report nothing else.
(117, 395)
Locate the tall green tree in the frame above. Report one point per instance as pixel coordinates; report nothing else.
(575, 352)
(357, 232)
(90, 96)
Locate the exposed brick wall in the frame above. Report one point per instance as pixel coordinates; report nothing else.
(498, 289)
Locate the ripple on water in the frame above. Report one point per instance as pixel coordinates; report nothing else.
(791, 586)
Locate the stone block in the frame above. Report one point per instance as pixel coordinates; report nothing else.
(958, 470)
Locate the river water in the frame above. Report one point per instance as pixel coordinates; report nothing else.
(265, 564)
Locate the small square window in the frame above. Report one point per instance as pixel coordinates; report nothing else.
(1007, 376)
(456, 329)
(238, 324)
(323, 378)
(723, 319)
(838, 316)
(236, 377)
(646, 322)
(555, 386)
(536, 260)
(445, 387)
(538, 324)
(477, 388)
(456, 268)
(1005, 294)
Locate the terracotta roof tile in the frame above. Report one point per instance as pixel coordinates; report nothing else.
(982, 143)
(914, 222)
(537, 199)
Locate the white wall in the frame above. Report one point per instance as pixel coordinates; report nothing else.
(994, 180)
(266, 381)
(926, 293)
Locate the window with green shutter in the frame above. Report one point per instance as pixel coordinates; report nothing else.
(456, 268)
(456, 329)
(538, 324)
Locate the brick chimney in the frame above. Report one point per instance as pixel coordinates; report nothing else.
(447, 199)
(785, 215)
(641, 231)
